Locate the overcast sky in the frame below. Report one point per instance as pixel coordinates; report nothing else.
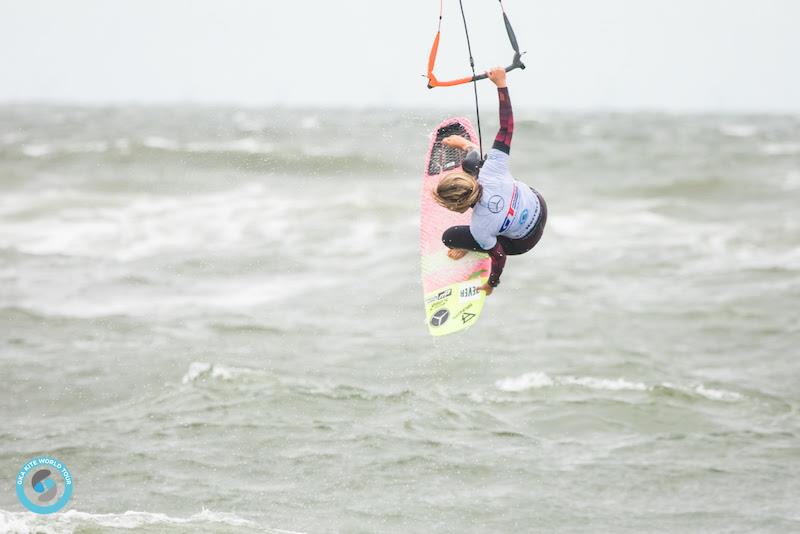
(740, 55)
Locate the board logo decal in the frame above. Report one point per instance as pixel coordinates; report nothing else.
(469, 292)
(465, 314)
(440, 317)
(440, 296)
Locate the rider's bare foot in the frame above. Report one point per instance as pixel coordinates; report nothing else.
(456, 253)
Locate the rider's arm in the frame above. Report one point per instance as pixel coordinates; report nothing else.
(456, 141)
(503, 140)
(498, 256)
(472, 161)
(491, 245)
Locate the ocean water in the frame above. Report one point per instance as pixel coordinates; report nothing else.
(214, 318)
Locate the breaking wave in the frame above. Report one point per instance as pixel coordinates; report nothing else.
(538, 380)
(76, 521)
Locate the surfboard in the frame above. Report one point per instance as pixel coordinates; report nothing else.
(452, 300)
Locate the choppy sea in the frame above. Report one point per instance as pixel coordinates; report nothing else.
(214, 317)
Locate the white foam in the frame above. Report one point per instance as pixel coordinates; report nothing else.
(126, 228)
(37, 150)
(247, 145)
(539, 380)
(204, 371)
(211, 296)
(618, 384)
(525, 382)
(122, 145)
(738, 130)
(781, 149)
(746, 256)
(132, 519)
(632, 218)
(160, 143)
(717, 394)
(87, 147)
(309, 123)
(129, 228)
(69, 521)
(708, 393)
(25, 523)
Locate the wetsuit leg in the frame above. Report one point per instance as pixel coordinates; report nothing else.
(460, 237)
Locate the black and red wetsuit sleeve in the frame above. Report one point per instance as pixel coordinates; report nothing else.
(498, 256)
(503, 140)
(460, 237)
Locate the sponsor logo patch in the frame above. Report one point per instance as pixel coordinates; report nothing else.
(523, 217)
(512, 210)
(469, 292)
(496, 204)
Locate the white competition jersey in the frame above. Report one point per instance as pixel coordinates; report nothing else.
(506, 207)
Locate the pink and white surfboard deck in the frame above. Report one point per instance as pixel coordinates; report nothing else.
(452, 300)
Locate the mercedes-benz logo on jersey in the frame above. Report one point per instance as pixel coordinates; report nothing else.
(440, 317)
(44, 485)
(496, 204)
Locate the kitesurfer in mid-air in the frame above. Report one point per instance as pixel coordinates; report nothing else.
(508, 217)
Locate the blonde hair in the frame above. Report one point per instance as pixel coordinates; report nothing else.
(457, 191)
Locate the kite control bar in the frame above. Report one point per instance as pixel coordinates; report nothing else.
(515, 64)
